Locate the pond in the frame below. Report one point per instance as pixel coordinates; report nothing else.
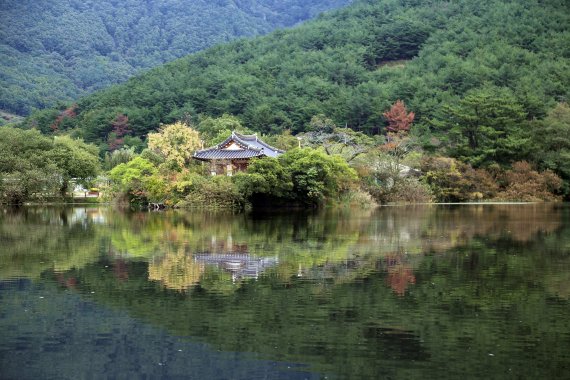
(426, 291)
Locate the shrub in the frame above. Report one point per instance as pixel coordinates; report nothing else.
(525, 184)
(217, 192)
(442, 176)
(454, 181)
(409, 190)
(388, 179)
(477, 184)
(358, 198)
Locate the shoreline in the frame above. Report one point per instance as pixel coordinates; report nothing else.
(106, 204)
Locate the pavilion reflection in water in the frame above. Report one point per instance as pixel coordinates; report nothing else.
(241, 265)
(181, 270)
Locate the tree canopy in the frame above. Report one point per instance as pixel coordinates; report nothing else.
(176, 143)
(351, 65)
(58, 50)
(479, 77)
(33, 166)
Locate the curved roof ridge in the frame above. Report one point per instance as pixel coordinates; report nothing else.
(216, 147)
(245, 137)
(232, 137)
(270, 147)
(257, 139)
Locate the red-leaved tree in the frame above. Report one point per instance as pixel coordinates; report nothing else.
(67, 113)
(120, 129)
(398, 118)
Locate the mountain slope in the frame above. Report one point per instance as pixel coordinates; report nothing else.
(351, 65)
(61, 49)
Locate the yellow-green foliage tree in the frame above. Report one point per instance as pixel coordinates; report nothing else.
(176, 143)
(131, 179)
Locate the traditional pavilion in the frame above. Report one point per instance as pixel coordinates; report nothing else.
(235, 152)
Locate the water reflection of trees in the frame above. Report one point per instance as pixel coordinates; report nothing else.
(411, 283)
(485, 296)
(176, 270)
(436, 228)
(36, 239)
(337, 246)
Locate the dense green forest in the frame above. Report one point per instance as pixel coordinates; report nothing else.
(470, 94)
(352, 64)
(60, 49)
(487, 81)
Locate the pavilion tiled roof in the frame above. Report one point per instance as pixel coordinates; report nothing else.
(218, 154)
(249, 146)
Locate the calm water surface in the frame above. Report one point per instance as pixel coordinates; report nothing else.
(472, 291)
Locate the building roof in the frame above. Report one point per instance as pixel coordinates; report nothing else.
(238, 146)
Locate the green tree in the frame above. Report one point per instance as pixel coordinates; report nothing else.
(285, 140)
(119, 156)
(551, 139)
(35, 166)
(216, 129)
(129, 178)
(485, 126)
(316, 176)
(75, 160)
(64, 50)
(342, 141)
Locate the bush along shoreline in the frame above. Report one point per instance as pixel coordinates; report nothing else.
(326, 166)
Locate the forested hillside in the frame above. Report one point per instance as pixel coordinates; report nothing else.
(487, 80)
(61, 49)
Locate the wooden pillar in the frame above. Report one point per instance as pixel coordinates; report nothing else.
(229, 168)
